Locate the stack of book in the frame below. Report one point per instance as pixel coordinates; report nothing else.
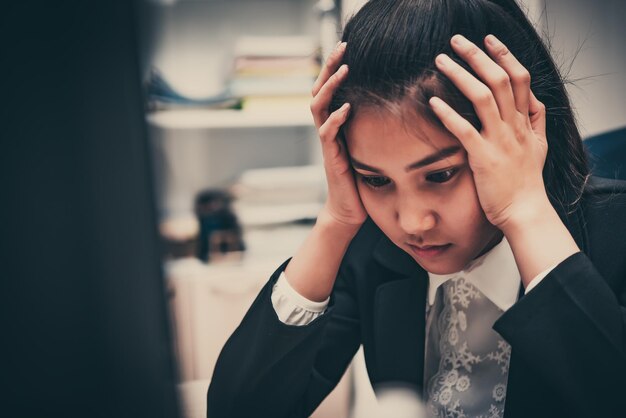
(266, 196)
(274, 73)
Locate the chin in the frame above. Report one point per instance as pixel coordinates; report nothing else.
(446, 263)
(442, 267)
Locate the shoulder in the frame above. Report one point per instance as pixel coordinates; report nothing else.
(604, 222)
(605, 197)
(604, 186)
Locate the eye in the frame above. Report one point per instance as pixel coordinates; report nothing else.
(442, 176)
(374, 182)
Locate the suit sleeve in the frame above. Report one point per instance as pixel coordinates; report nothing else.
(269, 368)
(570, 330)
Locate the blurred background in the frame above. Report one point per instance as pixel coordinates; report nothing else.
(160, 162)
(238, 170)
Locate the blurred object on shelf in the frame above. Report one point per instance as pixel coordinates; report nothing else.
(279, 185)
(251, 65)
(215, 119)
(283, 106)
(607, 154)
(180, 237)
(161, 95)
(220, 233)
(329, 27)
(263, 215)
(268, 85)
(274, 73)
(278, 195)
(275, 46)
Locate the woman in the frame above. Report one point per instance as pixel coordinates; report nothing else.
(462, 243)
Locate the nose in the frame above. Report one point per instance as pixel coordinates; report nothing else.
(414, 216)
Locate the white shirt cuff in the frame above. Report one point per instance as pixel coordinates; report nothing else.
(291, 307)
(538, 278)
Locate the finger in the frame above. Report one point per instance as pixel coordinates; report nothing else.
(320, 103)
(329, 130)
(456, 124)
(490, 73)
(478, 93)
(537, 114)
(330, 66)
(518, 74)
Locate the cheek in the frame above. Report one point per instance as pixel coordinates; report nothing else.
(462, 211)
(468, 214)
(378, 206)
(371, 200)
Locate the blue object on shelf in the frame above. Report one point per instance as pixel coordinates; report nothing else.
(607, 154)
(160, 91)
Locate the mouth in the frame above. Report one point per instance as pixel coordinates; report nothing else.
(429, 251)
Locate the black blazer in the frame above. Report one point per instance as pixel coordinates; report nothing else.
(567, 334)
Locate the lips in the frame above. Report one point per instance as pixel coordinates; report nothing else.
(428, 251)
(425, 247)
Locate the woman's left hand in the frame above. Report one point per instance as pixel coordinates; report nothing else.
(508, 154)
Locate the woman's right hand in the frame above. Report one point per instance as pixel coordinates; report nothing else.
(343, 204)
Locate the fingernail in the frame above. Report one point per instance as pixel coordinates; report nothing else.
(343, 69)
(441, 60)
(345, 107)
(491, 40)
(435, 102)
(342, 46)
(459, 40)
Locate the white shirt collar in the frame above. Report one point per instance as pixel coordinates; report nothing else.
(495, 274)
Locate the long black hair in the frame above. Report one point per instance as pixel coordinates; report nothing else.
(391, 50)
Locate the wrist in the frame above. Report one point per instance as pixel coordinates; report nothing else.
(328, 224)
(539, 240)
(313, 269)
(531, 212)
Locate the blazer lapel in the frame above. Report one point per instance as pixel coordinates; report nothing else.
(399, 317)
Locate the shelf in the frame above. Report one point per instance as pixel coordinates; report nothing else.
(216, 119)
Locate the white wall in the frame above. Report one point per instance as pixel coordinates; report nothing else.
(596, 30)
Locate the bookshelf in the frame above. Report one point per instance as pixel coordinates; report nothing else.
(257, 51)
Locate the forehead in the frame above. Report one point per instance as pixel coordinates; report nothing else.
(376, 134)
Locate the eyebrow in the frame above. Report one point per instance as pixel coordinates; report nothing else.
(428, 160)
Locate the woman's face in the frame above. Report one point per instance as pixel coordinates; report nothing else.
(417, 186)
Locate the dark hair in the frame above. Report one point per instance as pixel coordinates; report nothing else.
(391, 49)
